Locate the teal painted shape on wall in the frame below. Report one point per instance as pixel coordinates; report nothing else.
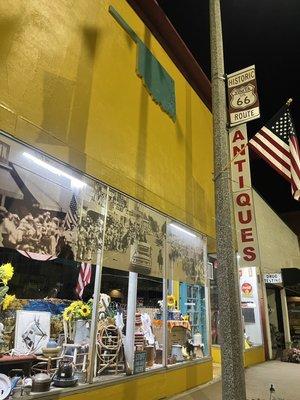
(158, 82)
(156, 79)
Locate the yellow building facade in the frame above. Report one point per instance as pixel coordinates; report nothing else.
(69, 88)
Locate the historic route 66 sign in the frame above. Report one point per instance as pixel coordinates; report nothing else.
(242, 96)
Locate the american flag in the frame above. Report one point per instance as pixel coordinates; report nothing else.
(84, 277)
(71, 218)
(277, 143)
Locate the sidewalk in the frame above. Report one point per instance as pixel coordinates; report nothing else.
(285, 378)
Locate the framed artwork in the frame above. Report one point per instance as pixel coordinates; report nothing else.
(32, 331)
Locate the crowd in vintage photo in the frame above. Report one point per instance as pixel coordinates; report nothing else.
(90, 235)
(125, 226)
(36, 234)
(48, 234)
(189, 256)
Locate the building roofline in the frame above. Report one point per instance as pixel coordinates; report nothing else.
(156, 20)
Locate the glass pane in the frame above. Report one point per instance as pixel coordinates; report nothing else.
(214, 304)
(51, 224)
(134, 238)
(187, 325)
(250, 307)
(149, 324)
(111, 331)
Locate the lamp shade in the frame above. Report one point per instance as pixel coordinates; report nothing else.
(116, 294)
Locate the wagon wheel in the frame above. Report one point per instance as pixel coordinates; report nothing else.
(109, 342)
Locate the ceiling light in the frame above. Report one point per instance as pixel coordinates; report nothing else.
(182, 230)
(74, 181)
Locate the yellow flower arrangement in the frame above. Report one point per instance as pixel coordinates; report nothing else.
(76, 304)
(85, 311)
(67, 313)
(6, 272)
(8, 300)
(171, 301)
(76, 310)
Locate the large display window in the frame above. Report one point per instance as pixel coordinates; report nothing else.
(250, 306)
(186, 295)
(94, 285)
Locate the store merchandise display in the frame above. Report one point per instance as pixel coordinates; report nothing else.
(182, 344)
(53, 232)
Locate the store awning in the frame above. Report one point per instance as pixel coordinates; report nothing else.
(8, 186)
(50, 195)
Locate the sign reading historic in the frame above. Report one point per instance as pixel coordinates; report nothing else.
(243, 198)
(273, 278)
(243, 100)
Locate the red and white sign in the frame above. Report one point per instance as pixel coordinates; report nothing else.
(243, 198)
(247, 289)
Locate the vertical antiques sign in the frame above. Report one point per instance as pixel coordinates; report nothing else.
(243, 198)
(243, 100)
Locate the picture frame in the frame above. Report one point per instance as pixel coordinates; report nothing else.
(32, 331)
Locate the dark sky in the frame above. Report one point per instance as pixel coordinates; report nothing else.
(261, 32)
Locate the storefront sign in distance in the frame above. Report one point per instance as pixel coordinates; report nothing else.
(243, 100)
(273, 278)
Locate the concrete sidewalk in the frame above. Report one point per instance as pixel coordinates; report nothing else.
(284, 376)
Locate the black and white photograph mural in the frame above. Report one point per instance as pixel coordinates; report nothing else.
(48, 210)
(135, 236)
(186, 252)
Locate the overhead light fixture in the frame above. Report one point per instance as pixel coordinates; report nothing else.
(182, 230)
(74, 181)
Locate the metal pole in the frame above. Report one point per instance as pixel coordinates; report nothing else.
(96, 300)
(233, 377)
(130, 321)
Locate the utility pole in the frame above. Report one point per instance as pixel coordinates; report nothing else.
(233, 377)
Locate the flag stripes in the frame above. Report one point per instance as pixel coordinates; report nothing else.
(71, 218)
(84, 278)
(277, 143)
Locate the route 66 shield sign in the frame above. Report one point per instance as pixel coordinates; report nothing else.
(243, 101)
(243, 96)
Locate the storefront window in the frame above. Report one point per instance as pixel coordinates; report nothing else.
(52, 225)
(214, 303)
(186, 300)
(72, 249)
(250, 310)
(111, 330)
(250, 307)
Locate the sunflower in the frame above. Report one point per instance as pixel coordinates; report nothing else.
(8, 300)
(171, 301)
(6, 272)
(67, 314)
(85, 310)
(76, 304)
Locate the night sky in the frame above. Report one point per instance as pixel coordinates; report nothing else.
(261, 32)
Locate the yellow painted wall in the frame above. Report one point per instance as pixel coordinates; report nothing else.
(252, 356)
(68, 86)
(216, 354)
(152, 387)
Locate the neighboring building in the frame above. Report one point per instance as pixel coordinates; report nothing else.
(279, 251)
(268, 302)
